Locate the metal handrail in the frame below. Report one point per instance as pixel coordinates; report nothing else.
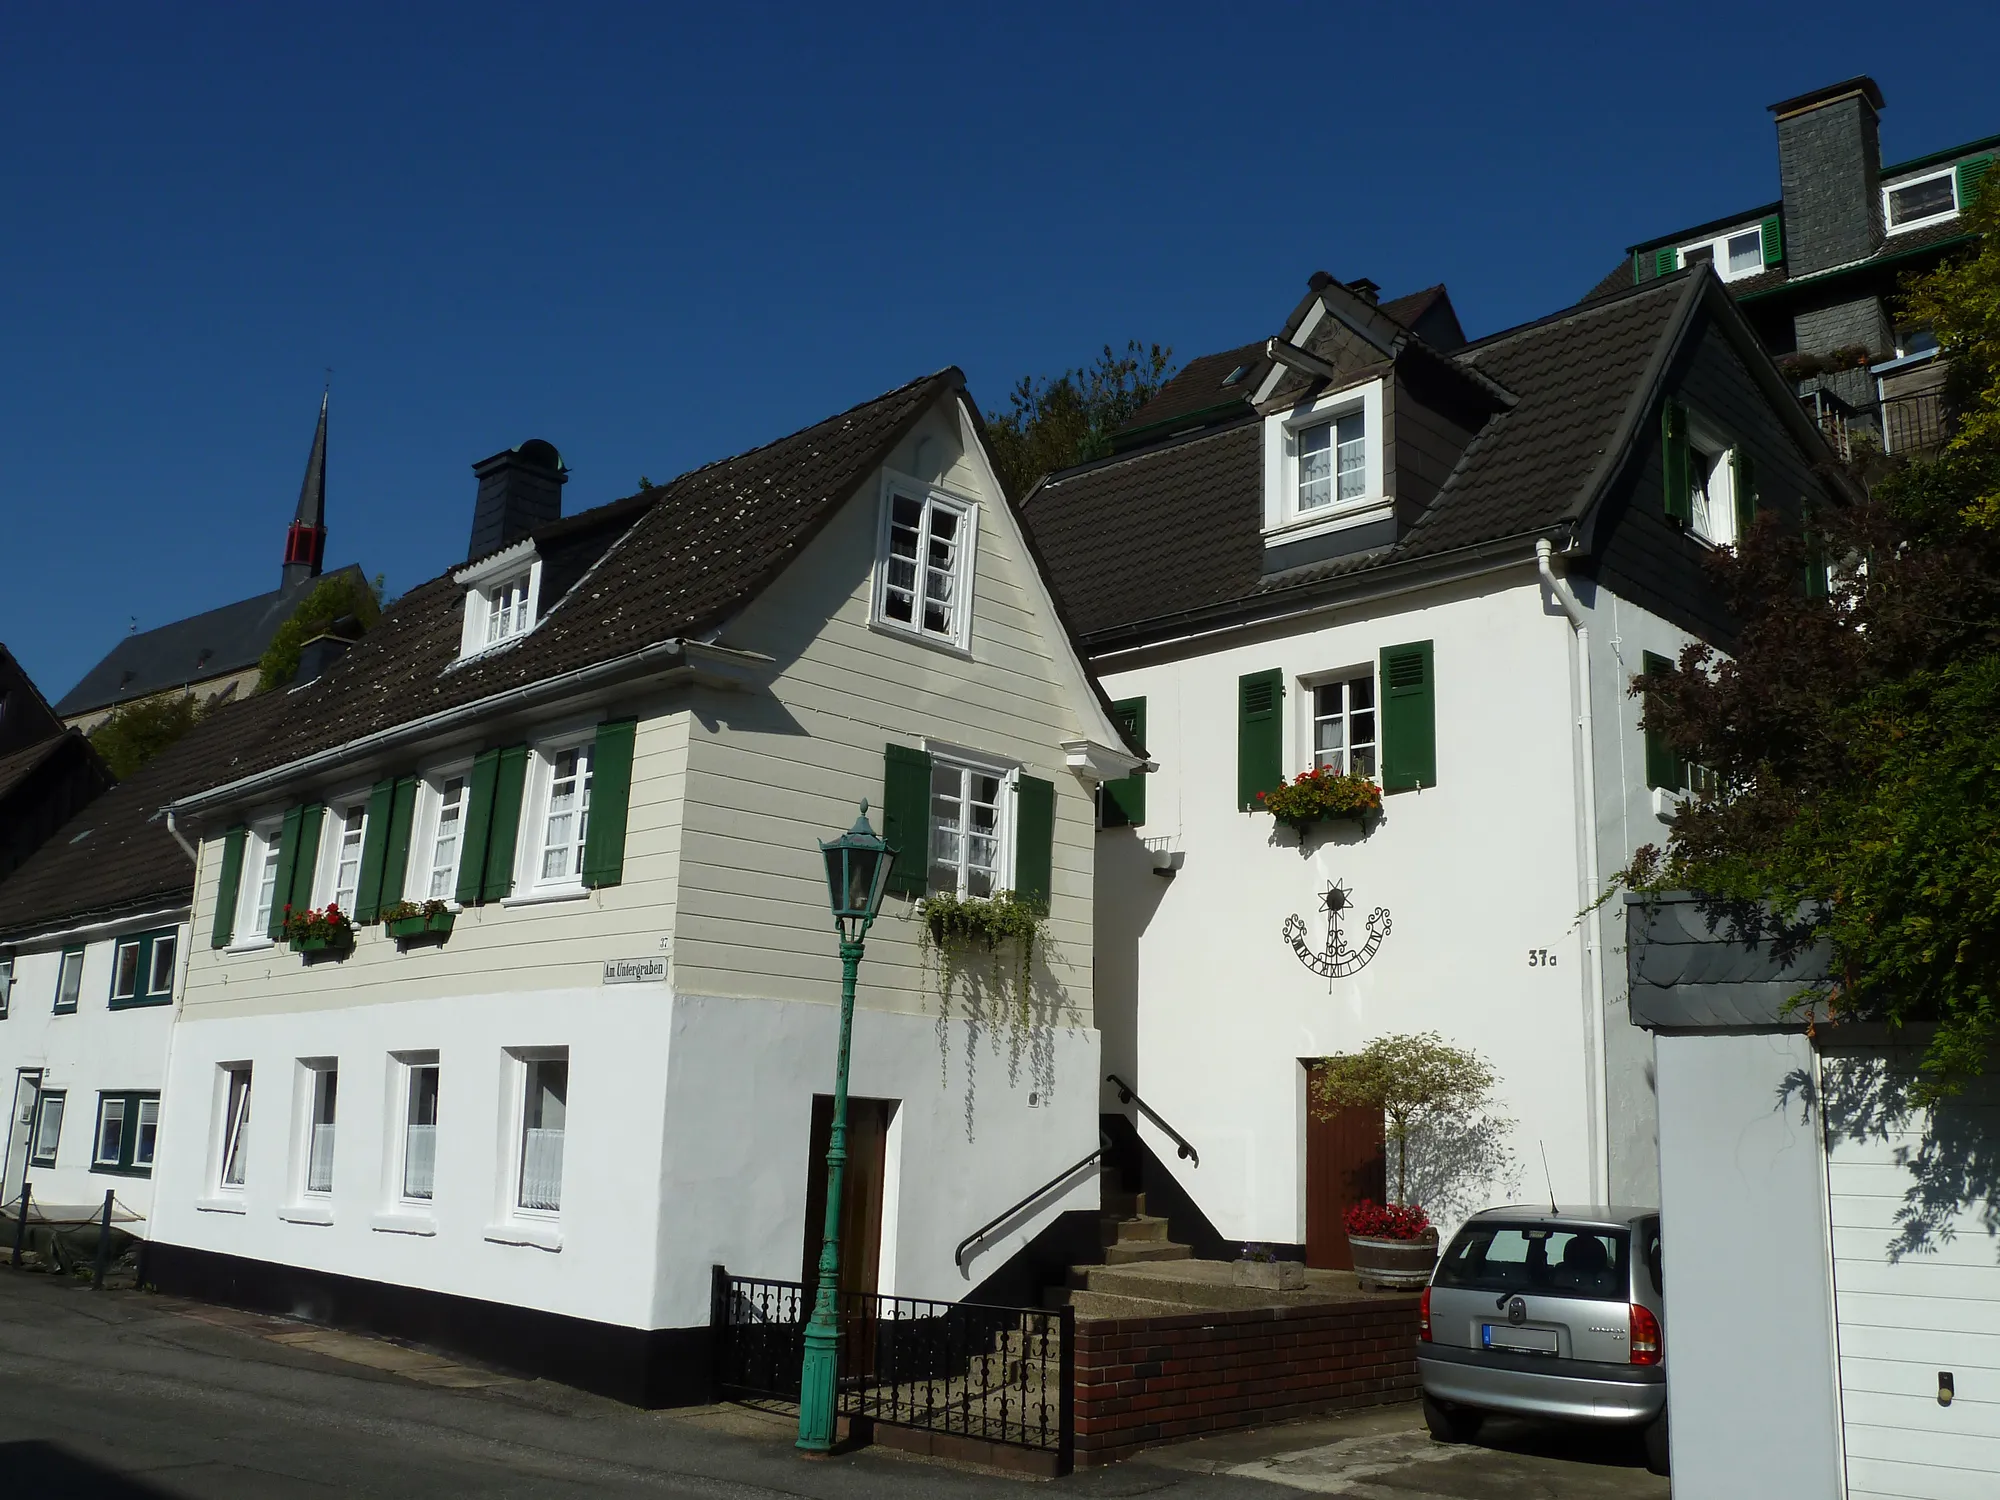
(1129, 1095)
(958, 1255)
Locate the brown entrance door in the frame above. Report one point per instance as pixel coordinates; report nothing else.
(1344, 1164)
(860, 1193)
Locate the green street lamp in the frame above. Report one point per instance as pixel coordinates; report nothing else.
(857, 872)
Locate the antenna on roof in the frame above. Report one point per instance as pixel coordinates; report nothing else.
(1547, 1178)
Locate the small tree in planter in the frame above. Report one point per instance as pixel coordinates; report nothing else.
(1323, 795)
(1427, 1091)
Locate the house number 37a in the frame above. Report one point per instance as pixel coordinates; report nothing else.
(1541, 958)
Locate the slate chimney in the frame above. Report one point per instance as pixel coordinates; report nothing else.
(1830, 170)
(519, 490)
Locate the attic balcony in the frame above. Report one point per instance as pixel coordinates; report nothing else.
(1913, 425)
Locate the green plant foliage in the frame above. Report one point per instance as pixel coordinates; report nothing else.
(133, 733)
(332, 598)
(1068, 419)
(1320, 795)
(1413, 1080)
(953, 924)
(1961, 302)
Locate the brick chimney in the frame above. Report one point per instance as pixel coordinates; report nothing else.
(520, 490)
(1830, 171)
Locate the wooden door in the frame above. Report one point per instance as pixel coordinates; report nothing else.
(1345, 1163)
(860, 1194)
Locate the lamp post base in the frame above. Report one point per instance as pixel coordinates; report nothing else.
(818, 1376)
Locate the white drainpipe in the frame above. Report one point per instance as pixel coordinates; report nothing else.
(1596, 1089)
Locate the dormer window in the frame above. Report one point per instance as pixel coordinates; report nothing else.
(502, 597)
(1910, 204)
(1323, 468)
(924, 564)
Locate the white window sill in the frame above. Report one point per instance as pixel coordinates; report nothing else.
(404, 1223)
(919, 638)
(554, 893)
(259, 945)
(523, 1232)
(307, 1213)
(1925, 223)
(1666, 803)
(1324, 520)
(221, 1206)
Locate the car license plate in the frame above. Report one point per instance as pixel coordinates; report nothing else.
(1531, 1340)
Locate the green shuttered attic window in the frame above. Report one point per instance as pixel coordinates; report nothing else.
(1122, 803)
(910, 827)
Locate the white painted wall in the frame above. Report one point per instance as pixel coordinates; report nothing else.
(95, 1049)
(1476, 872)
(1743, 1210)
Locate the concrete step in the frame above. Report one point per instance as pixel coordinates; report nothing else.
(1131, 1230)
(1210, 1284)
(1117, 1201)
(1101, 1305)
(1143, 1250)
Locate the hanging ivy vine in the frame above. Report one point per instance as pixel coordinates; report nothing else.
(1005, 931)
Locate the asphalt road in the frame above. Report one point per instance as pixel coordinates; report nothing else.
(135, 1397)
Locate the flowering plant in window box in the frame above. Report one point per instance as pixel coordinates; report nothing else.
(416, 919)
(953, 924)
(329, 930)
(1320, 796)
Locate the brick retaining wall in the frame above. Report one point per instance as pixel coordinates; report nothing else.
(1152, 1380)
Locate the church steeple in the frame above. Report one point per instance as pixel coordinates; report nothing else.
(305, 543)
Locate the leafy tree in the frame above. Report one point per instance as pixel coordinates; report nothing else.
(1068, 419)
(133, 733)
(1418, 1082)
(1854, 731)
(333, 598)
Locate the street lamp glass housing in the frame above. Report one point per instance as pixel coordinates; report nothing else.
(857, 873)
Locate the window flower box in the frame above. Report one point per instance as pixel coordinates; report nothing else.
(408, 921)
(1324, 795)
(329, 930)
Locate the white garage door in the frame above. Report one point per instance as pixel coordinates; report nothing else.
(1905, 1318)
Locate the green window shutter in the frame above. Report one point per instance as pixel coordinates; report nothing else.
(478, 825)
(312, 819)
(906, 817)
(396, 844)
(610, 801)
(1035, 842)
(1666, 262)
(224, 930)
(509, 782)
(1638, 266)
(288, 863)
(1815, 548)
(374, 851)
(1260, 736)
(1663, 762)
(1773, 231)
(1409, 717)
(1743, 477)
(1124, 800)
(1675, 482)
(1971, 178)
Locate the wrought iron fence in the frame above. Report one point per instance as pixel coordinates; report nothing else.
(998, 1374)
(1914, 424)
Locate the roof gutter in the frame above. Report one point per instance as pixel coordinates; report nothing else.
(670, 657)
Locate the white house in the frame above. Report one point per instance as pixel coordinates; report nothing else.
(1369, 545)
(606, 749)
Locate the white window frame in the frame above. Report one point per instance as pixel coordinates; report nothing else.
(232, 1126)
(1309, 708)
(139, 1132)
(1704, 436)
(169, 941)
(522, 1061)
(260, 843)
(63, 971)
(1949, 173)
(346, 813)
(423, 852)
(407, 1065)
(482, 581)
(966, 761)
(1718, 248)
(105, 1102)
(965, 563)
(6, 986)
(37, 1155)
(528, 844)
(313, 1076)
(1284, 521)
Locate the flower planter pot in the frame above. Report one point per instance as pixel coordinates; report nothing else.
(1394, 1265)
(1271, 1275)
(332, 943)
(405, 928)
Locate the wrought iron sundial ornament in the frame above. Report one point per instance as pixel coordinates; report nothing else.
(1338, 959)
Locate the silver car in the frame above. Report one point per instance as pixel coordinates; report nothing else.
(1548, 1313)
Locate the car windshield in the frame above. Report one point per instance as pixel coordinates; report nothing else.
(1551, 1260)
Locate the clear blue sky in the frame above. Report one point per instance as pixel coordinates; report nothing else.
(658, 235)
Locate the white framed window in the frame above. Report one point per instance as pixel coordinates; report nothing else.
(160, 963)
(1920, 201)
(322, 1098)
(418, 1165)
(1323, 465)
(142, 968)
(48, 1127)
(502, 598)
(538, 1174)
(6, 986)
(1344, 723)
(1711, 483)
(442, 833)
(110, 1130)
(346, 832)
(233, 1155)
(69, 981)
(1734, 255)
(507, 610)
(259, 892)
(924, 564)
(972, 816)
(560, 821)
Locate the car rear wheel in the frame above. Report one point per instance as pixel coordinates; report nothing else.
(1452, 1424)
(1656, 1444)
